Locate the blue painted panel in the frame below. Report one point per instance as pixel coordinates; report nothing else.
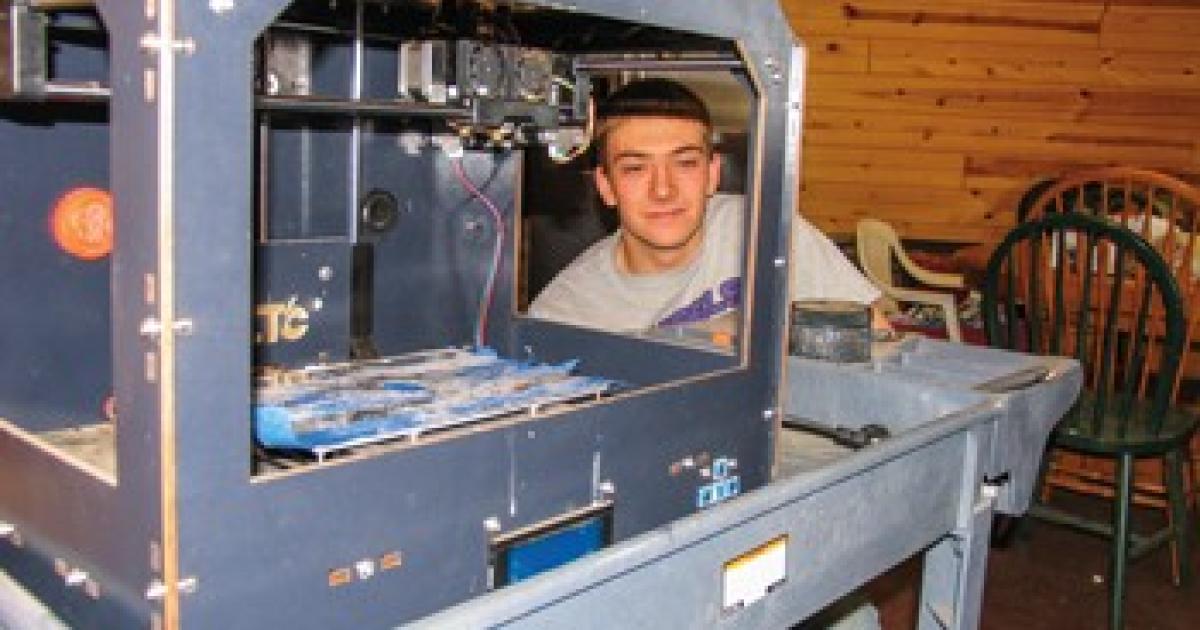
(55, 328)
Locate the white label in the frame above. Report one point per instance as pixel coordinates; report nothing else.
(750, 576)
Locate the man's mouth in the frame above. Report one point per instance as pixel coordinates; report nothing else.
(664, 215)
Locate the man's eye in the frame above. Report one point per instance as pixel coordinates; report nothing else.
(688, 162)
(631, 169)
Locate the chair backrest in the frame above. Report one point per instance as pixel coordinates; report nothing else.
(1162, 209)
(874, 243)
(1049, 290)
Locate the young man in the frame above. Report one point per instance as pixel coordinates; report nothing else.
(677, 257)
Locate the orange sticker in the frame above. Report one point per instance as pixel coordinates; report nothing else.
(82, 223)
(340, 577)
(390, 560)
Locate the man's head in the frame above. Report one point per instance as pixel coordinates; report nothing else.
(657, 167)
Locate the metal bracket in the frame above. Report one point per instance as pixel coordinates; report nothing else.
(152, 328)
(989, 491)
(151, 42)
(23, 65)
(157, 589)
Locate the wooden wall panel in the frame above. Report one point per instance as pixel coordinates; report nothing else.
(938, 114)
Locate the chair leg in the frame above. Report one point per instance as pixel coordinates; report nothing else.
(1177, 500)
(1120, 541)
(1189, 478)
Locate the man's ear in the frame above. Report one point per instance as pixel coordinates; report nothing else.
(714, 173)
(604, 186)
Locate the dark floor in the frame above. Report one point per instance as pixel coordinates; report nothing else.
(1053, 577)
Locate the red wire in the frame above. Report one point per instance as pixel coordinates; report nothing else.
(485, 303)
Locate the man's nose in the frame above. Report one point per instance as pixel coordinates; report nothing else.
(662, 185)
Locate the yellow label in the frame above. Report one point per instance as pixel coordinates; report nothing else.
(280, 321)
(752, 575)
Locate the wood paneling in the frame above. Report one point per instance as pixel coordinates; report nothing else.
(938, 114)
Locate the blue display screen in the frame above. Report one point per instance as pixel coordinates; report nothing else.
(531, 557)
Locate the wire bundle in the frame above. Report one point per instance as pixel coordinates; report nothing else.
(489, 289)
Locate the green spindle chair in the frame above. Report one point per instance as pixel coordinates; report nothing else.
(1164, 210)
(1083, 286)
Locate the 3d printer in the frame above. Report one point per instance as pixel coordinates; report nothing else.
(267, 366)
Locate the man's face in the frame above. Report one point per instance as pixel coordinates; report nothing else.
(659, 173)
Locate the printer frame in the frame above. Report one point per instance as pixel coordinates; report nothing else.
(185, 532)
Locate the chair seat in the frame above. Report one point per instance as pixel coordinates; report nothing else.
(1077, 433)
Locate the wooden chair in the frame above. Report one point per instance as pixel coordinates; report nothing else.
(877, 245)
(1166, 212)
(1083, 286)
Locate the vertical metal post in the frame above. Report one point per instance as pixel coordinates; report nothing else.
(264, 175)
(955, 567)
(356, 88)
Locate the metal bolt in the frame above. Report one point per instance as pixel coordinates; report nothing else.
(188, 585)
(150, 328)
(156, 590)
(767, 414)
(411, 142)
(75, 577)
(183, 326)
(325, 273)
(780, 261)
(491, 524)
(364, 568)
(607, 488)
(220, 6)
(7, 529)
(316, 304)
